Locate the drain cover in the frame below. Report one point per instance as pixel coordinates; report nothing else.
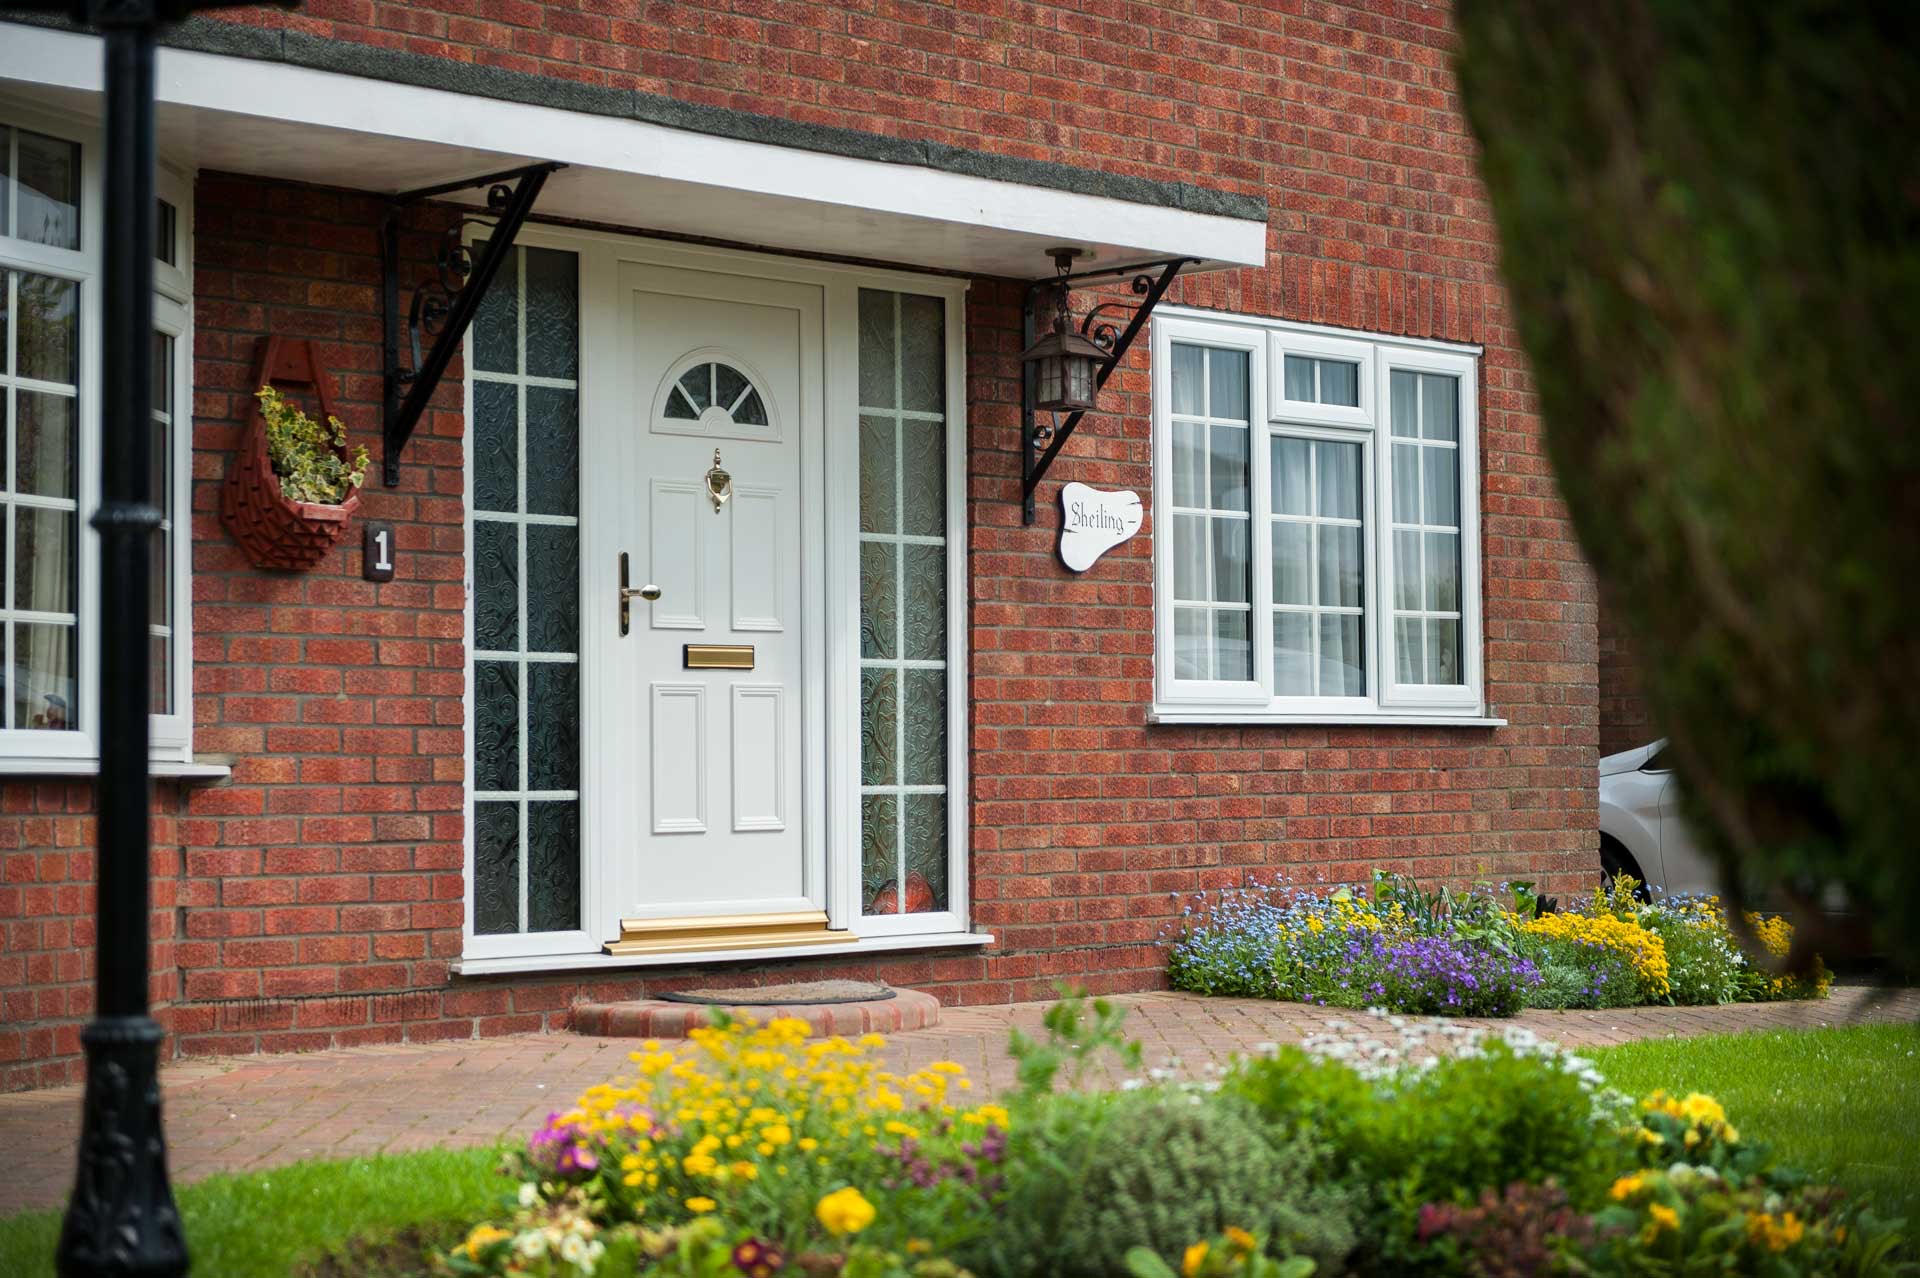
(784, 995)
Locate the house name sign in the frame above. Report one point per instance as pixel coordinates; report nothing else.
(1093, 522)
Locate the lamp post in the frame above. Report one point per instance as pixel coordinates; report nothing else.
(121, 1217)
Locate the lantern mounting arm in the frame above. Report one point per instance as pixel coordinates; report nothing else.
(1105, 333)
(444, 305)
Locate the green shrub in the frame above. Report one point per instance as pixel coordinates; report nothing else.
(1094, 1177)
(1575, 973)
(1497, 1115)
(1711, 250)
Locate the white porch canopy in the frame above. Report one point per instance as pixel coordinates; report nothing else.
(274, 118)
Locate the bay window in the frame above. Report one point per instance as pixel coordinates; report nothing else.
(51, 229)
(1316, 516)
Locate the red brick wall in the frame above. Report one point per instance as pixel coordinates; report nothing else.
(319, 893)
(1624, 721)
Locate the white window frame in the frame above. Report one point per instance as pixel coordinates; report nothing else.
(1320, 346)
(172, 734)
(1467, 696)
(1368, 425)
(29, 752)
(1218, 693)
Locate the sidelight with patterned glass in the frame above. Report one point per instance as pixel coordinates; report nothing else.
(904, 860)
(525, 424)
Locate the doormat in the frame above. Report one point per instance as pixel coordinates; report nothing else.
(791, 995)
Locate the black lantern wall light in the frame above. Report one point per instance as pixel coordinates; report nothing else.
(1064, 370)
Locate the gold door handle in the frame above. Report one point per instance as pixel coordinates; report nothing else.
(648, 592)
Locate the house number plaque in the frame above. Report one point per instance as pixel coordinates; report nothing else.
(1093, 522)
(376, 550)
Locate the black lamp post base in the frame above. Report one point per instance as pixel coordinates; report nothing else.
(121, 1219)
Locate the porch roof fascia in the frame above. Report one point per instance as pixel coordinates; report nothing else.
(455, 113)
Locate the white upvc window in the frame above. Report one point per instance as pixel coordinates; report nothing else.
(1316, 525)
(51, 233)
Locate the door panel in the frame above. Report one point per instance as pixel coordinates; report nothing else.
(726, 365)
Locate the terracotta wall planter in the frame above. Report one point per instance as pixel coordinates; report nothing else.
(274, 531)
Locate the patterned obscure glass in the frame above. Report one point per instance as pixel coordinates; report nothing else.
(525, 352)
(904, 849)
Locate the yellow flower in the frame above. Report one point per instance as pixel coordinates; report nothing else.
(1778, 1235)
(483, 1237)
(1700, 1108)
(1663, 1216)
(776, 1133)
(1645, 950)
(1241, 1238)
(700, 1206)
(1195, 1257)
(845, 1211)
(1625, 1188)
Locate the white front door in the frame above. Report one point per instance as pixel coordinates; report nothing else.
(721, 373)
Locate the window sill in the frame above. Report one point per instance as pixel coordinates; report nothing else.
(611, 962)
(158, 769)
(1385, 719)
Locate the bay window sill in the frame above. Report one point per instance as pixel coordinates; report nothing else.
(158, 769)
(1198, 715)
(598, 962)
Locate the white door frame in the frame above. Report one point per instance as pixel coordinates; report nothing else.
(831, 577)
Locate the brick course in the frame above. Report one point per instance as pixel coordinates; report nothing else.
(316, 899)
(1624, 719)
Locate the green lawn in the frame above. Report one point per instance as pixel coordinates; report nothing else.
(1842, 1103)
(262, 1223)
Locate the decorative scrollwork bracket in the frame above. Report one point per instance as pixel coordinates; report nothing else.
(1102, 325)
(445, 302)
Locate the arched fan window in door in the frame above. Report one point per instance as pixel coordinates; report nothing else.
(716, 384)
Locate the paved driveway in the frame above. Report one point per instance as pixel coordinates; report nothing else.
(261, 1111)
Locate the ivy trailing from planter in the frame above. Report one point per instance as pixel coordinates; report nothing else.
(308, 456)
(293, 487)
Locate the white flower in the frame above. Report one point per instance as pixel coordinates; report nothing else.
(529, 1193)
(1133, 1084)
(532, 1244)
(573, 1249)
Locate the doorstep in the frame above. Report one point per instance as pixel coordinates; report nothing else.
(658, 1018)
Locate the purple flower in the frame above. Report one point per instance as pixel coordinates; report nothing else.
(563, 1149)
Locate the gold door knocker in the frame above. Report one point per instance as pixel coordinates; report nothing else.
(719, 484)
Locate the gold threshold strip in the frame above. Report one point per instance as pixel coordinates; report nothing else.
(707, 933)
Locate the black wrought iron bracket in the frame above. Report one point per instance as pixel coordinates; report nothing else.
(1040, 445)
(445, 303)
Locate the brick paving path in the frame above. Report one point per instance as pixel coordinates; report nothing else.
(261, 1111)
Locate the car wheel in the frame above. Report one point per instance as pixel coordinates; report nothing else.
(1615, 860)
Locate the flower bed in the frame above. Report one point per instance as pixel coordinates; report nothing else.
(1424, 1149)
(1485, 952)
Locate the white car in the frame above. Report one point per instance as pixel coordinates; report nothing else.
(1641, 830)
